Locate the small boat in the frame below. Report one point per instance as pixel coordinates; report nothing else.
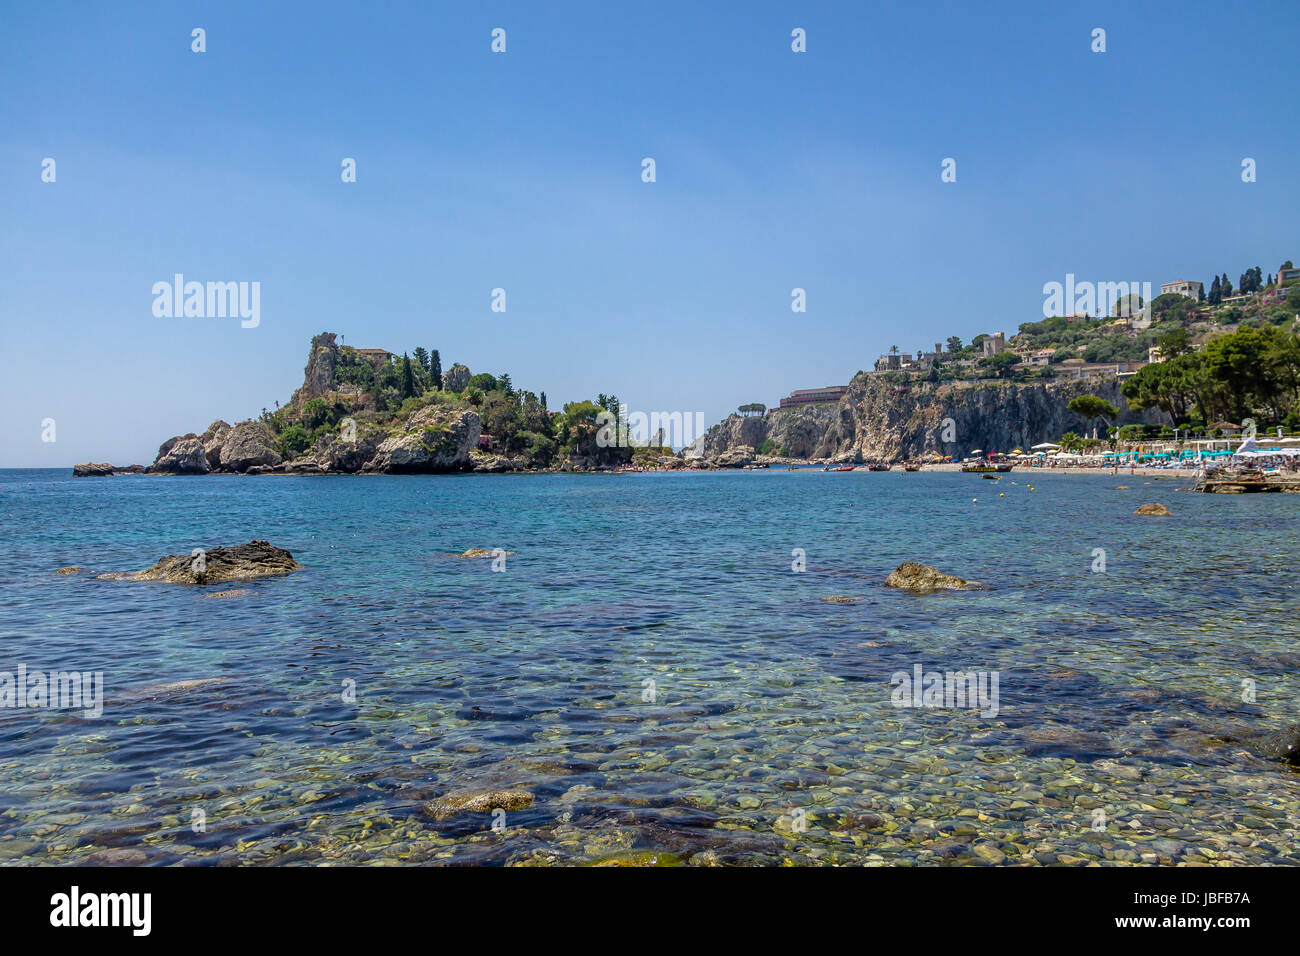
(879, 467)
(991, 477)
(843, 468)
(984, 468)
(911, 468)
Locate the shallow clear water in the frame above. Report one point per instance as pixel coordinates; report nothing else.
(768, 734)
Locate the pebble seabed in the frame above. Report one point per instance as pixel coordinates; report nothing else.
(699, 704)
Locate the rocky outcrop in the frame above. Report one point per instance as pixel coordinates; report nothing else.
(921, 578)
(182, 455)
(736, 457)
(213, 439)
(488, 463)
(436, 438)
(248, 444)
(1158, 510)
(318, 376)
(92, 470)
(456, 378)
(257, 559)
(882, 420)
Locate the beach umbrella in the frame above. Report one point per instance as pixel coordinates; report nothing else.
(1017, 451)
(976, 451)
(1045, 446)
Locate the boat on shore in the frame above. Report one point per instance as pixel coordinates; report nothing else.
(879, 467)
(985, 468)
(910, 467)
(840, 468)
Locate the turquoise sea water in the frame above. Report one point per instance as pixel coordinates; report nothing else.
(767, 734)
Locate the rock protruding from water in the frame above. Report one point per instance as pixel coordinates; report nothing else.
(1158, 510)
(1283, 744)
(182, 455)
(478, 801)
(248, 445)
(911, 576)
(92, 469)
(243, 562)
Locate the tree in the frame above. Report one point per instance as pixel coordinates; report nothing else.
(893, 350)
(408, 377)
(503, 382)
(1216, 296)
(1093, 406)
(954, 343)
(1226, 286)
(1173, 344)
(1000, 363)
(435, 369)
(542, 399)
(422, 358)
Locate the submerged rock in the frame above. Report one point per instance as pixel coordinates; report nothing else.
(911, 576)
(1155, 509)
(478, 801)
(481, 553)
(70, 569)
(1282, 744)
(257, 559)
(841, 599)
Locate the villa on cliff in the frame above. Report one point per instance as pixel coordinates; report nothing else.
(808, 396)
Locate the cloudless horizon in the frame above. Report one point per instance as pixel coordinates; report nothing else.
(522, 170)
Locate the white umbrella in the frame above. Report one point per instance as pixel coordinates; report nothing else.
(1043, 446)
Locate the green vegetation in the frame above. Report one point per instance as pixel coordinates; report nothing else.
(374, 396)
(1253, 372)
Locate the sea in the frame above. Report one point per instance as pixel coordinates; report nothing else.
(650, 669)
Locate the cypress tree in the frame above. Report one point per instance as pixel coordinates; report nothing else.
(408, 378)
(435, 369)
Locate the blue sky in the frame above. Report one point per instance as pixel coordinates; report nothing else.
(522, 171)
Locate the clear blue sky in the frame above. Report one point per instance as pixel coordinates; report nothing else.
(523, 171)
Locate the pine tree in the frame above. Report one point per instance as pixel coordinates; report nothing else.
(542, 399)
(435, 369)
(408, 378)
(422, 358)
(1215, 294)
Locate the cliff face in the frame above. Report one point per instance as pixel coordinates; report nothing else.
(878, 420)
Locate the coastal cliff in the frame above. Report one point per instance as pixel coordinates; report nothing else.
(877, 419)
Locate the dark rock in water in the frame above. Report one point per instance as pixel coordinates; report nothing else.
(1282, 744)
(1158, 510)
(478, 801)
(92, 470)
(257, 559)
(70, 569)
(911, 576)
